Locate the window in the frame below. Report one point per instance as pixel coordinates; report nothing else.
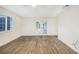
(45, 28)
(5, 23)
(37, 25)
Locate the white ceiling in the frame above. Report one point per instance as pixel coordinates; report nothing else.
(33, 11)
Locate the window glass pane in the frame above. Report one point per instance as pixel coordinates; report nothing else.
(3, 20)
(9, 20)
(2, 23)
(37, 25)
(0, 20)
(0, 28)
(45, 28)
(3, 28)
(8, 28)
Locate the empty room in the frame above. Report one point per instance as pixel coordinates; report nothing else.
(40, 29)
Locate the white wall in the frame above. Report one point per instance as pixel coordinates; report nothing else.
(68, 29)
(6, 37)
(29, 27)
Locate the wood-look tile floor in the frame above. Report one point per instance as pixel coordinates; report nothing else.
(36, 45)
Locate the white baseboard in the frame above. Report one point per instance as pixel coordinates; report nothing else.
(71, 46)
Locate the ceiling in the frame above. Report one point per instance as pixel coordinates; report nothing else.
(34, 11)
